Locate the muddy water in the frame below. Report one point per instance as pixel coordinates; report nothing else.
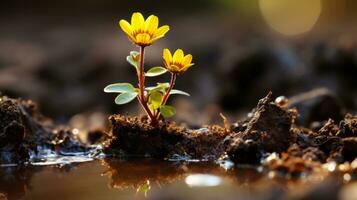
(152, 179)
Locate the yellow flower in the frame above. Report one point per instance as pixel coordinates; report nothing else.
(143, 32)
(178, 63)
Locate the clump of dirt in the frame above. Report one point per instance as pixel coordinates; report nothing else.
(348, 127)
(23, 130)
(268, 130)
(136, 137)
(337, 142)
(325, 147)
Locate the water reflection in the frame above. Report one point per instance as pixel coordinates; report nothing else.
(154, 179)
(14, 182)
(125, 174)
(203, 180)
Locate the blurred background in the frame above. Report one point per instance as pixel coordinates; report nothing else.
(63, 53)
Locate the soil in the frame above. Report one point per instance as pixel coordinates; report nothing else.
(21, 128)
(136, 137)
(267, 130)
(24, 131)
(270, 129)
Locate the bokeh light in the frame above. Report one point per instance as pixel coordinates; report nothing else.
(291, 17)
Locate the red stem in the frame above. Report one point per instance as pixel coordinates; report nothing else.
(141, 77)
(141, 73)
(167, 94)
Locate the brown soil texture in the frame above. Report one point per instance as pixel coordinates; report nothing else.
(23, 129)
(136, 137)
(270, 127)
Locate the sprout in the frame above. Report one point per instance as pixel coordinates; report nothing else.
(152, 99)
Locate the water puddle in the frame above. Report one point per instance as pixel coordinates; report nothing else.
(153, 179)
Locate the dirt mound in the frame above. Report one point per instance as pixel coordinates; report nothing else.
(24, 130)
(270, 128)
(22, 127)
(136, 137)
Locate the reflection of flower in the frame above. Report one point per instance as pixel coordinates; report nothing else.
(178, 63)
(138, 173)
(143, 32)
(145, 174)
(144, 188)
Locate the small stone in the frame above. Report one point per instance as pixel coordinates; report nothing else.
(282, 101)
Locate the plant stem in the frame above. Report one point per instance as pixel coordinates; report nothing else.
(141, 74)
(167, 94)
(141, 77)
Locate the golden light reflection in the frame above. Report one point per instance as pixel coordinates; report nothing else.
(291, 17)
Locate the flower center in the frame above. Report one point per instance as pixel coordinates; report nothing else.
(144, 32)
(177, 64)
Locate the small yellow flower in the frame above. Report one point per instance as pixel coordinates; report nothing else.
(143, 32)
(178, 63)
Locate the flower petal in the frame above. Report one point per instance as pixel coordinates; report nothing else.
(125, 26)
(160, 32)
(178, 56)
(167, 56)
(137, 21)
(186, 67)
(132, 38)
(151, 24)
(187, 60)
(156, 38)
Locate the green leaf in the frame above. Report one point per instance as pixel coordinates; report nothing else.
(134, 53)
(163, 85)
(155, 99)
(125, 97)
(167, 111)
(119, 88)
(160, 86)
(173, 91)
(155, 71)
(131, 60)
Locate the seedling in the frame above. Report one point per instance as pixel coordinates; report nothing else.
(153, 99)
